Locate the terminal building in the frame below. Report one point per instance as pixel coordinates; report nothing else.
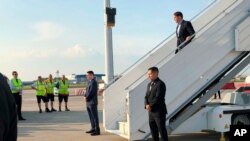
(81, 78)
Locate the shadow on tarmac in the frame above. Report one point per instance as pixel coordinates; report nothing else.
(40, 122)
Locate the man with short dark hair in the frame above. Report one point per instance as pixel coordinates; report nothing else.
(63, 92)
(155, 105)
(91, 99)
(16, 89)
(8, 115)
(50, 92)
(40, 88)
(184, 31)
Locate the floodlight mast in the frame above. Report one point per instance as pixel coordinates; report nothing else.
(109, 63)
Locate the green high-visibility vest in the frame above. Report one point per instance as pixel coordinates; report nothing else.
(17, 84)
(41, 88)
(50, 87)
(63, 87)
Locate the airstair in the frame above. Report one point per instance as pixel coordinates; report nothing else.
(218, 52)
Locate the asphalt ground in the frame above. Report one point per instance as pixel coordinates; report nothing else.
(72, 125)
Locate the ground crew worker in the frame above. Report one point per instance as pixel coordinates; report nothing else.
(8, 114)
(63, 86)
(40, 88)
(16, 89)
(50, 92)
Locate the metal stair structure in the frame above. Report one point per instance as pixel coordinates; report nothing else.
(219, 51)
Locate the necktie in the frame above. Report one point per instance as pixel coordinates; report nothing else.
(151, 84)
(17, 80)
(178, 29)
(87, 89)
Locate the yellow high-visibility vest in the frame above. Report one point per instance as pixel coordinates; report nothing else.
(17, 84)
(63, 87)
(50, 88)
(41, 89)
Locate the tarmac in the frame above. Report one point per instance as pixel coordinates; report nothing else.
(72, 125)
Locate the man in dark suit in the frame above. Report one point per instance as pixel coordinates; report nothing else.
(155, 105)
(91, 98)
(184, 31)
(8, 114)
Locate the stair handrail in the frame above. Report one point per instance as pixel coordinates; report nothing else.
(169, 55)
(179, 47)
(139, 60)
(128, 89)
(155, 48)
(224, 11)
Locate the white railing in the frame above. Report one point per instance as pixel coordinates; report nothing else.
(143, 77)
(162, 43)
(118, 91)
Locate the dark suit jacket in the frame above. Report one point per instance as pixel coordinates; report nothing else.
(8, 115)
(91, 92)
(186, 30)
(156, 97)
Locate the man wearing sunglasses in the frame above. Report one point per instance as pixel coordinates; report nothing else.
(16, 89)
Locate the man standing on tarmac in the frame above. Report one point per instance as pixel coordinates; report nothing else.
(40, 88)
(91, 99)
(50, 92)
(16, 89)
(63, 86)
(155, 105)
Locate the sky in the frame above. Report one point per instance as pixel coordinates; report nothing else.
(39, 37)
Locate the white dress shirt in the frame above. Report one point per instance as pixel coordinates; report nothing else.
(178, 28)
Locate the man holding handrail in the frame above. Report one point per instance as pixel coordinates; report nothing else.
(184, 31)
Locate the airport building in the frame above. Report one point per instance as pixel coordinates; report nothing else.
(80, 78)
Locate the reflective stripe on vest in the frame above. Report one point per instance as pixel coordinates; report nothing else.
(63, 87)
(17, 85)
(41, 89)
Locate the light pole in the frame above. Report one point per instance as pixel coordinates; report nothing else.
(57, 75)
(109, 64)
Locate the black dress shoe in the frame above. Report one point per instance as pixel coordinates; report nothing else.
(90, 131)
(47, 110)
(40, 111)
(21, 118)
(95, 133)
(53, 110)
